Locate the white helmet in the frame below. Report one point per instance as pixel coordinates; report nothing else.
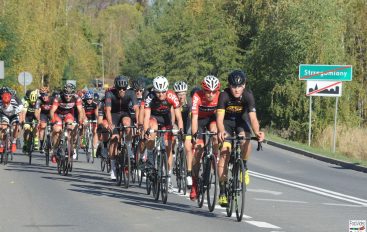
(160, 84)
(180, 86)
(210, 83)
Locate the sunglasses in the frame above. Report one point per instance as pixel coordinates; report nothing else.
(123, 89)
(211, 92)
(236, 86)
(139, 90)
(68, 95)
(44, 94)
(160, 92)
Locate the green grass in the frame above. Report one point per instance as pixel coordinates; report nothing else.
(327, 153)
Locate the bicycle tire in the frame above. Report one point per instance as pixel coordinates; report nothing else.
(77, 144)
(164, 177)
(47, 149)
(103, 164)
(119, 169)
(108, 165)
(156, 181)
(240, 187)
(212, 183)
(183, 172)
(148, 184)
(30, 147)
(86, 148)
(6, 151)
(92, 147)
(201, 188)
(177, 170)
(126, 170)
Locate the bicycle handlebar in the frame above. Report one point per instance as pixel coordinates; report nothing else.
(241, 138)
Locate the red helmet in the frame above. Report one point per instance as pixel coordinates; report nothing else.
(6, 97)
(210, 83)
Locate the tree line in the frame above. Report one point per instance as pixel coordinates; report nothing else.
(189, 39)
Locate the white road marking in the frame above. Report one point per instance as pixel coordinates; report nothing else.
(234, 215)
(344, 205)
(263, 224)
(311, 188)
(278, 200)
(264, 191)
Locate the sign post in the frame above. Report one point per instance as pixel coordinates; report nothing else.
(25, 78)
(324, 80)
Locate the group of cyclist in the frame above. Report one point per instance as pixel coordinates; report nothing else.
(130, 103)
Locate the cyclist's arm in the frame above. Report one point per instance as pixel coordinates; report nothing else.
(37, 114)
(220, 120)
(179, 117)
(256, 126)
(81, 114)
(96, 111)
(52, 111)
(137, 112)
(141, 115)
(194, 123)
(108, 115)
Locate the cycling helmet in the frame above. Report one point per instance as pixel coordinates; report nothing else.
(138, 84)
(33, 96)
(160, 84)
(121, 82)
(237, 77)
(56, 94)
(6, 97)
(27, 93)
(180, 86)
(210, 83)
(88, 96)
(96, 96)
(69, 89)
(44, 90)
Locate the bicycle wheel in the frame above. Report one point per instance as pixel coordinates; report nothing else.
(240, 189)
(164, 177)
(177, 170)
(108, 164)
(103, 164)
(92, 148)
(183, 172)
(229, 208)
(87, 146)
(148, 184)
(126, 170)
(6, 151)
(47, 149)
(30, 147)
(201, 183)
(119, 170)
(156, 178)
(77, 144)
(212, 183)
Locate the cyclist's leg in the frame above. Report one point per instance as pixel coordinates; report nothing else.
(116, 118)
(188, 150)
(42, 127)
(149, 144)
(246, 148)
(15, 128)
(213, 128)
(126, 121)
(69, 118)
(56, 132)
(26, 131)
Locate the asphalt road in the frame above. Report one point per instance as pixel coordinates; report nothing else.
(288, 192)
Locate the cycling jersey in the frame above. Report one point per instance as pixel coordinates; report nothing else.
(161, 108)
(10, 114)
(90, 110)
(118, 104)
(235, 107)
(202, 107)
(29, 107)
(64, 107)
(101, 105)
(45, 106)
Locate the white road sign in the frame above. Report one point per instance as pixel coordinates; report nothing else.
(324, 88)
(25, 78)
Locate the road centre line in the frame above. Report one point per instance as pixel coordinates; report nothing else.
(310, 188)
(263, 224)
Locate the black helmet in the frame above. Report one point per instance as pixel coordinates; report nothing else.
(138, 84)
(69, 89)
(27, 93)
(96, 96)
(237, 77)
(121, 82)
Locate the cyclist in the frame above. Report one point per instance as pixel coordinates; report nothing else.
(29, 116)
(9, 114)
(117, 102)
(63, 109)
(180, 88)
(102, 128)
(158, 105)
(42, 113)
(91, 114)
(235, 108)
(204, 106)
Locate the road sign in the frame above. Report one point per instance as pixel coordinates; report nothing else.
(25, 78)
(324, 88)
(2, 72)
(325, 72)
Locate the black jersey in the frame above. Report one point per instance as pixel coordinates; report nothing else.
(118, 104)
(235, 107)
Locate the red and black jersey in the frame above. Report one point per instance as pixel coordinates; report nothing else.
(90, 109)
(202, 107)
(64, 107)
(158, 107)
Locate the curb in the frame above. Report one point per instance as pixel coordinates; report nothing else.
(343, 164)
